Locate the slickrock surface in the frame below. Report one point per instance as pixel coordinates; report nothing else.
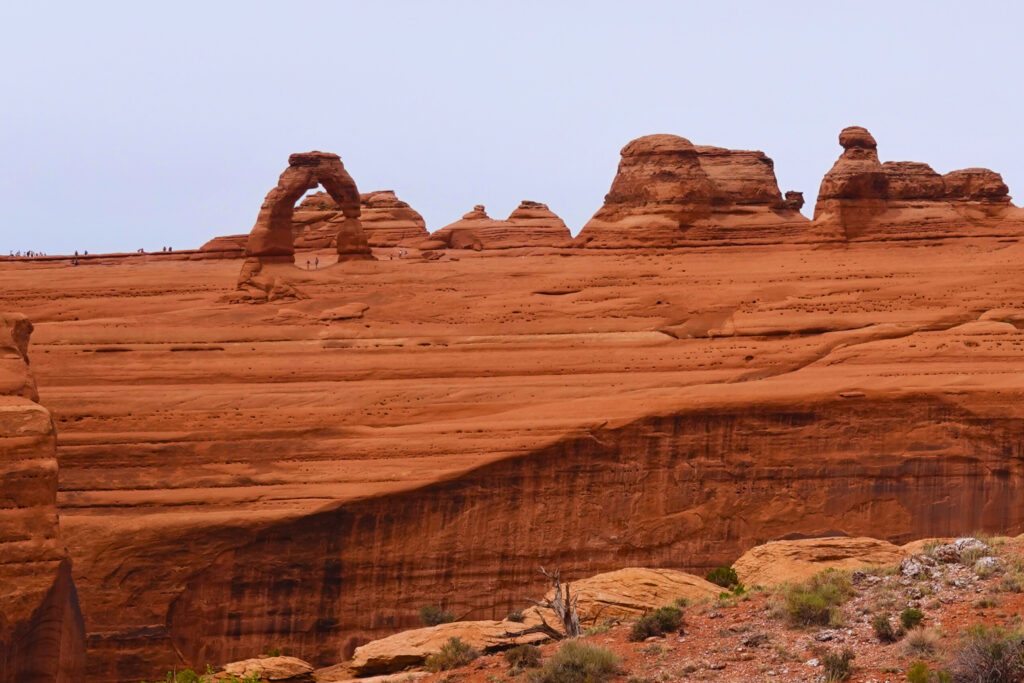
(631, 591)
(225, 246)
(411, 648)
(42, 637)
(865, 199)
(387, 221)
(531, 224)
(781, 561)
(669, 193)
(238, 477)
(284, 669)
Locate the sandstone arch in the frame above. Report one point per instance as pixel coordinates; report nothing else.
(271, 239)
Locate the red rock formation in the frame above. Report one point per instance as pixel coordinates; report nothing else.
(668, 193)
(779, 562)
(531, 224)
(271, 238)
(234, 479)
(386, 220)
(861, 198)
(42, 637)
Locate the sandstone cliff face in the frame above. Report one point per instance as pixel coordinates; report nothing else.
(387, 221)
(531, 224)
(864, 199)
(661, 492)
(668, 193)
(42, 637)
(305, 474)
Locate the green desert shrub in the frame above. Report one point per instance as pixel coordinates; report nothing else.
(911, 618)
(523, 657)
(723, 576)
(883, 628)
(454, 653)
(816, 601)
(516, 615)
(837, 665)
(657, 623)
(920, 673)
(577, 662)
(989, 655)
(186, 676)
(432, 615)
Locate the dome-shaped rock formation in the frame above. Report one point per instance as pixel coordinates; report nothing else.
(668, 192)
(862, 198)
(777, 562)
(531, 224)
(386, 220)
(225, 246)
(42, 635)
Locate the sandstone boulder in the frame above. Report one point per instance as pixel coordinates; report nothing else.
(283, 669)
(777, 562)
(630, 592)
(916, 566)
(963, 550)
(42, 635)
(668, 192)
(342, 674)
(411, 648)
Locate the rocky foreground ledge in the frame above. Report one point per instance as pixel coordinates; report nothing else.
(823, 609)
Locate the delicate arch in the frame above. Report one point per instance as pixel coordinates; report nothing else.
(271, 238)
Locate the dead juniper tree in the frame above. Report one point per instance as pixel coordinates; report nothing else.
(564, 605)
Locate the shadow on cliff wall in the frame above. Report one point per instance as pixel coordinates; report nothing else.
(691, 491)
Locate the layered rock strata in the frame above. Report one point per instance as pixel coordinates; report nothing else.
(864, 199)
(42, 636)
(386, 220)
(669, 193)
(531, 224)
(305, 475)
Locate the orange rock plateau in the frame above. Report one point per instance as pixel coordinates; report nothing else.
(305, 462)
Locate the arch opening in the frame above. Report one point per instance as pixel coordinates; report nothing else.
(271, 239)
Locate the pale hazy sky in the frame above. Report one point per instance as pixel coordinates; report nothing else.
(143, 124)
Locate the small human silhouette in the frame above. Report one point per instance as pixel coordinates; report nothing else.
(317, 263)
